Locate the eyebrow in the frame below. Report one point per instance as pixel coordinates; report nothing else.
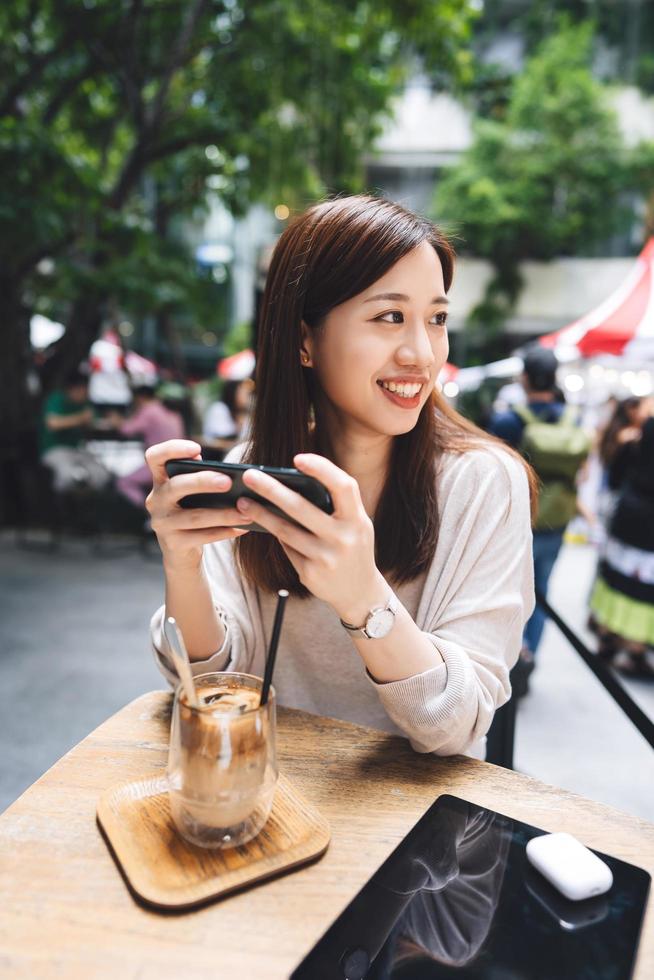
(401, 297)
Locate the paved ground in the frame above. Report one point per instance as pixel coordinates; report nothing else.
(74, 649)
(570, 732)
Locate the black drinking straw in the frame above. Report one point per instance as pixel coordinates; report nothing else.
(272, 649)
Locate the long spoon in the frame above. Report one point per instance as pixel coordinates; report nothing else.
(181, 660)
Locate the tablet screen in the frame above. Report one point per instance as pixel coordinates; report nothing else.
(458, 898)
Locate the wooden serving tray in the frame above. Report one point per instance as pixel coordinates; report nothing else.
(166, 872)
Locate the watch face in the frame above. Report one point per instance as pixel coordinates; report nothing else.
(380, 624)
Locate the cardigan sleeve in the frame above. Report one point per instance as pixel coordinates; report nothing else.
(238, 607)
(236, 603)
(478, 594)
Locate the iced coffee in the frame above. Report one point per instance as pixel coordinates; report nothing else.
(222, 768)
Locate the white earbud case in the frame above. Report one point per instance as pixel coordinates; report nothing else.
(569, 866)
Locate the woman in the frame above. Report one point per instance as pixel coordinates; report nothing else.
(431, 518)
(622, 602)
(615, 443)
(226, 420)
(624, 425)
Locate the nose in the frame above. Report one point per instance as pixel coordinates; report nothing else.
(416, 348)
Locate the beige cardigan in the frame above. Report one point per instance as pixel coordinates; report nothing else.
(472, 603)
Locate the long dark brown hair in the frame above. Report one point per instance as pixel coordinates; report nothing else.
(621, 419)
(333, 252)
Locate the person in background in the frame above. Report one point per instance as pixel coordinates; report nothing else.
(226, 420)
(616, 443)
(67, 417)
(153, 423)
(523, 427)
(622, 601)
(175, 396)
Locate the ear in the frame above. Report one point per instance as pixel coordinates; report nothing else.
(306, 346)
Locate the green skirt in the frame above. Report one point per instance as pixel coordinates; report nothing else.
(628, 618)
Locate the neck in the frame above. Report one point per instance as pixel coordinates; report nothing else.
(362, 454)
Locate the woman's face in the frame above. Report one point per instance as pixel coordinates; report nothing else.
(643, 411)
(243, 396)
(637, 414)
(378, 355)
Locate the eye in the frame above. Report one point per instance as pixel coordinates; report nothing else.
(396, 316)
(439, 319)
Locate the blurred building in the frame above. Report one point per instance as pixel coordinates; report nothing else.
(427, 132)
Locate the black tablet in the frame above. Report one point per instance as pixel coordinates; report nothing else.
(458, 898)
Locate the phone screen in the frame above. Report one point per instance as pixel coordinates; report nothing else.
(458, 898)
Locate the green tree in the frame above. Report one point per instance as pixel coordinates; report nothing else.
(546, 181)
(117, 119)
(622, 51)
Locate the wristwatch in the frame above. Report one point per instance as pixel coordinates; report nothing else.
(379, 621)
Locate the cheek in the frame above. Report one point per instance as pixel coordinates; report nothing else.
(345, 357)
(340, 378)
(440, 345)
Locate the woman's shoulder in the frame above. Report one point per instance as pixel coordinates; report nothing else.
(488, 468)
(236, 453)
(486, 459)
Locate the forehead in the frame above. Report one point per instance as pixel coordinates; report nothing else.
(417, 273)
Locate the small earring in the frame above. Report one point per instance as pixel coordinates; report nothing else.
(304, 357)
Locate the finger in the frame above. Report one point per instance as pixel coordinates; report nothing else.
(183, 520)
(304, 542)
(194, 539)
(204, 481)
(296, 559)
(156, 456)
(343, 488)
(292, 503)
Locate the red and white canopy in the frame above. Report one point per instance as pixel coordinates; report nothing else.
(237, 367)
(623, 325)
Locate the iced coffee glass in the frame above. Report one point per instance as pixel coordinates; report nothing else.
(222, 767)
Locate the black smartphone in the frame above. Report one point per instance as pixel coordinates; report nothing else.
(307, 486)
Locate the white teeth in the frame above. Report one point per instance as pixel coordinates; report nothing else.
(403, 389)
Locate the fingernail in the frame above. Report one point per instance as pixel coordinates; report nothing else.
(243, 504)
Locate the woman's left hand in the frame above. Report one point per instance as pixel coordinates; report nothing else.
(333, 554)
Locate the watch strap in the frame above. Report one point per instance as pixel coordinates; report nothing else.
(391, 606)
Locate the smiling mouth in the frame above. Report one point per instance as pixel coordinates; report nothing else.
(403, 389)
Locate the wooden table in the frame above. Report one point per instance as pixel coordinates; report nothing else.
(66, 912)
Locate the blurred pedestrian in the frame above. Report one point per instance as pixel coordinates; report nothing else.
(67, 418)
(176, 396)
(153, 423)
(622, 602)
(615, 448)
(546, 431)
(226, 420)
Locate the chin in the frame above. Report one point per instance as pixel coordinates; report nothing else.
(396, 427)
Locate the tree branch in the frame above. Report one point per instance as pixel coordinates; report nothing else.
(194, 12)
(64, 92)
(30, 262)
(36, 66)
(138, 158)
(162, 150)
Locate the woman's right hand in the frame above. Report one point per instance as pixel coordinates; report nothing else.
(182, 533)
